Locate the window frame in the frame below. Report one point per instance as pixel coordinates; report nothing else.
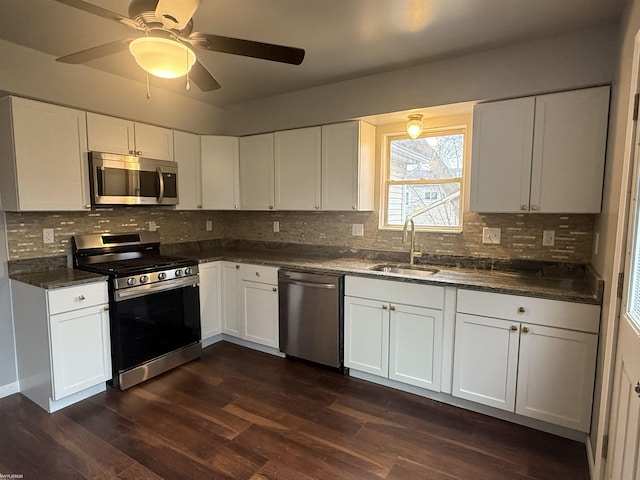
(401, 134)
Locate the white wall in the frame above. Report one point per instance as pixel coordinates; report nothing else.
(574, 60)
(7, 347)
(30, 73)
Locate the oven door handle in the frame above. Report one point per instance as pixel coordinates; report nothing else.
(142, 290)
(161, 180)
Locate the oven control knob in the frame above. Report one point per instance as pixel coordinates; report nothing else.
(162, 276)
(144, 279)
(131, 281)
(188, 271)
(178, 273)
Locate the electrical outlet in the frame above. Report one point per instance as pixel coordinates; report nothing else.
(47, 235)
(548, 238)
(357, 229)
(209, 225)
(491, 235)
(152, 226)
(276, 226)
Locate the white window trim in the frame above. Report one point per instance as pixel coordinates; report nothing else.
(384, 170)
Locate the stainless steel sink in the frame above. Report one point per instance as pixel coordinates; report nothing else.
(405, 269)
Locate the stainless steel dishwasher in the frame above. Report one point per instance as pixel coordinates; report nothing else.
(311, 316)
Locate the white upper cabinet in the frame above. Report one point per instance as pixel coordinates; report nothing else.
(501, 167)
(257, 172)
(297, 169)
(186, 148)
(114, 135)
(569, 148)
(541, 154)
(220, 173)
(43, 157)
(348, 166)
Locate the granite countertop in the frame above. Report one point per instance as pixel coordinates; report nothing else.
(556, 283)
(586, 288)
(57, 278)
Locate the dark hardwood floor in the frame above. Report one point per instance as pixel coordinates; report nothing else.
(241, 414)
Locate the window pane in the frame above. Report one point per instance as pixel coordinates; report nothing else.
(430, 158)
(633, 303)
(406, 199)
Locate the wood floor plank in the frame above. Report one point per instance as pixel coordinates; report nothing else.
(244, 415)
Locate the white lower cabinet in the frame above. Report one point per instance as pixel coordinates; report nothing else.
(62, 342)
(526, 355)
(394, 330)
(250, 303)
(210, 308)
(259, 304)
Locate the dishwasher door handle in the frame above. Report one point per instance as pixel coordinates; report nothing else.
(308, 284)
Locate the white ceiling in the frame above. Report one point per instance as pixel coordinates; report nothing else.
(343, 39)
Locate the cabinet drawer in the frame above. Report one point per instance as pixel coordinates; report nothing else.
(428, 296)
(81, 296)
(259, 273)
(538, 311)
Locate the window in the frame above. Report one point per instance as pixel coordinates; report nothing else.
(423, 180)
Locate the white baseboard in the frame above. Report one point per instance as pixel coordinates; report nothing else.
(9, 389)
(253, 346)
(474, 407)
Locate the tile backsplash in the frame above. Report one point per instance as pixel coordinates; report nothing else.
(521, 233)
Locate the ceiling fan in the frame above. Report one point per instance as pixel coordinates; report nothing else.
(166, 37)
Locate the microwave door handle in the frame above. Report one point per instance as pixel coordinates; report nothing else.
(161, 179)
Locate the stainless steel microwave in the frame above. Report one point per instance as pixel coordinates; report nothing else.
(127, 180)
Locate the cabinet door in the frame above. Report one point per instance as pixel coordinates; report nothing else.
(486, 361)
(230, 311)
(259, 313)
(348, 166)
(569, 151)
(153, 142)
(501, 155)
(555, 376)
(110, 134)
(48, 167)
(256, 172)
(80, 350)
(297, 169)
(210, 310)
(366, 335)
(186, 148)
(415, 347)
(220, 173)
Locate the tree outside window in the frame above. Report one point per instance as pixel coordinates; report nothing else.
(424, 178)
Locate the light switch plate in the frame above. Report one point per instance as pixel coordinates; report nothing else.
(357, 229)
(152, 226)
(276, 226)
(209, 225)
(491, 235)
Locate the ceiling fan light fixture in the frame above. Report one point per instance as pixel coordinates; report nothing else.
(162, 57)
(415, 126)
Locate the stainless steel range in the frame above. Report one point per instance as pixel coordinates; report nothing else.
(154, 303)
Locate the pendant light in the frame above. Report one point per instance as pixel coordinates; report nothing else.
(415, 125)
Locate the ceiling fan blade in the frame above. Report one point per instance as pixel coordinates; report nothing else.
(203, 78)
(101, 12)
(175, 14)
(95, 52)
(247, 48)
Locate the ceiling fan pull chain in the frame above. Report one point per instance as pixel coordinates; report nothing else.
(148, 89)
(188, 85)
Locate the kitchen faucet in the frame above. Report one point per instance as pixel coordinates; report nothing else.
(413, 253)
